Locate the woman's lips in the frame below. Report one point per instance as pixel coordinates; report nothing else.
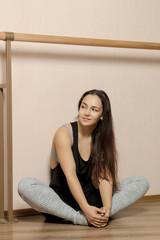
(85, 119)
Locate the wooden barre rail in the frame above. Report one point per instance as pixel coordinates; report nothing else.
(2, 86)
(21, 37)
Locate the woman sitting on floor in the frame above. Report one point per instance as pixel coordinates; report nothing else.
(84, 187)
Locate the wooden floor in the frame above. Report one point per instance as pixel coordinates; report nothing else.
(138, 222)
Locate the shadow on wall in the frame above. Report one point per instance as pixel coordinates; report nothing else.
(111, 58)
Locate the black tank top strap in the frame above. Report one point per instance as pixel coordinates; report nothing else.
(75, 132)
(75, 143)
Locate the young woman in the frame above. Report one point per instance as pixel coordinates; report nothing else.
(84, 187)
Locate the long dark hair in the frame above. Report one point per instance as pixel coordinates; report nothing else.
(103, 152)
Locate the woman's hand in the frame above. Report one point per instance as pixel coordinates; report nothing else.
(96, 216)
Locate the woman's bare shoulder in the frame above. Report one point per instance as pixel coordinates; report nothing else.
(63, 134)
(64, 127)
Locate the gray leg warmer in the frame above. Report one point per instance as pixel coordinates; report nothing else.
(44, 199)
(131, 190)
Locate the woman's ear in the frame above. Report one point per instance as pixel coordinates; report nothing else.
(101, 118)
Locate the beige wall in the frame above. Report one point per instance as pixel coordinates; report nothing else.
(48, 80)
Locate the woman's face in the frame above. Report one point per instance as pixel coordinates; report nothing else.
(90, 111)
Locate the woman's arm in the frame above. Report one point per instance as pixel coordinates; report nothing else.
(105, 188)
(62, 143)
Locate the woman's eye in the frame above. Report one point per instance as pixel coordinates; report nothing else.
(95, 110)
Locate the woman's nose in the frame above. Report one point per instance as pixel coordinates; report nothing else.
(87, 112)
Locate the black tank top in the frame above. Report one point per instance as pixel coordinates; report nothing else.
(83, 170)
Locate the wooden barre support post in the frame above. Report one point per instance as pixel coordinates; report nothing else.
(21, 37)
(1, 156)
(9, 131)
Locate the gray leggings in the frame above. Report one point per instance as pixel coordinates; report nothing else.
(44, 199)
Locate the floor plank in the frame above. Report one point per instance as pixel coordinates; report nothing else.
(140, 221)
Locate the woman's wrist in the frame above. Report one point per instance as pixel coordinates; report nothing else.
(84, 206)
(108, 208)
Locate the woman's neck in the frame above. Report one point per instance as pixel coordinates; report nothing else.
(85, 131)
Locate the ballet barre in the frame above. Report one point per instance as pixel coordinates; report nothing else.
(8, 37)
